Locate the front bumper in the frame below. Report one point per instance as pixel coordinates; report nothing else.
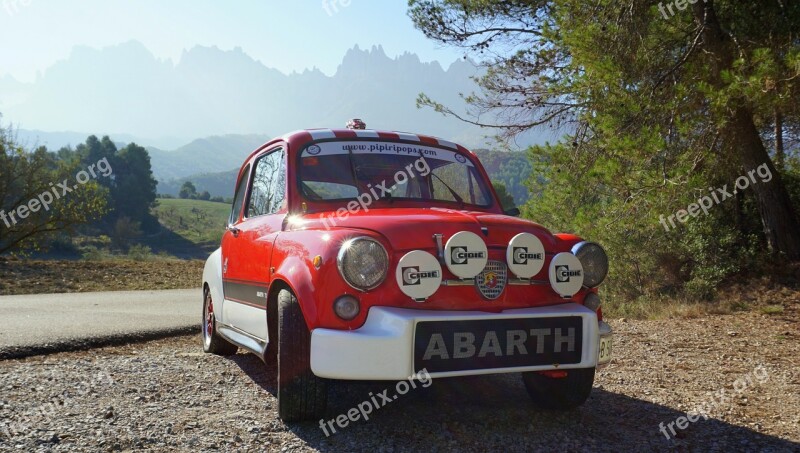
(382, 349)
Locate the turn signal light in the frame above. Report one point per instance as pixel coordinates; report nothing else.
(347, 307)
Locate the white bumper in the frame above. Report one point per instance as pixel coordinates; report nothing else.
(382, 349)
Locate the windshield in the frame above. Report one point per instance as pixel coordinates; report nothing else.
(346, 170)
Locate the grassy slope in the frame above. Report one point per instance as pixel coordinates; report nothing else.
(192, 229)
(195, 227)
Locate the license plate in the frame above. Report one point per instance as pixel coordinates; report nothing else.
(605, 350)
(442, 346)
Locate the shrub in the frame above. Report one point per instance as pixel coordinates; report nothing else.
(140, 253)
(125, 232)
(94, 254)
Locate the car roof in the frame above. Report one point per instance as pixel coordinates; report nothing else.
(298, 138)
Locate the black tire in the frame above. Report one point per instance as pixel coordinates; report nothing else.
(301, 394)
(213, 343)
(271, 352)
(560, 393)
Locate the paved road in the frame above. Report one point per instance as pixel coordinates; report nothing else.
(45, 323)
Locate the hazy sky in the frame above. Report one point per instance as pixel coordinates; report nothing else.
(289, 35)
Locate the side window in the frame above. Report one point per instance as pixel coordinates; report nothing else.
(239, 200)
(269, 185)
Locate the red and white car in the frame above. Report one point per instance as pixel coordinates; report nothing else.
(356, 254)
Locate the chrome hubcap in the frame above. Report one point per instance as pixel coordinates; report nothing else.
(209, 324)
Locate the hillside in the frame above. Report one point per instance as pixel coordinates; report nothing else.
(512, 168)
(192, 228)
(217, 184)
(207, 155)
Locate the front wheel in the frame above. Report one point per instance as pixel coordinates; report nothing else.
(559, 393)
(301, 394)
(213, 343)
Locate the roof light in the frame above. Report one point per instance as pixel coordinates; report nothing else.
(356, 124)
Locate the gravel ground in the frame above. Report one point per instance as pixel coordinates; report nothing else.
(167, 396)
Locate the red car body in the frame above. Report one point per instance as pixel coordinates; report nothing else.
(296, 249)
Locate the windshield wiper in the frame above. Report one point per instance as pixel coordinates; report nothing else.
(452, 192)
(456, 196)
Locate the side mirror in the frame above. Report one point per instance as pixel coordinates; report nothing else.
(513, 212)
(235, 231)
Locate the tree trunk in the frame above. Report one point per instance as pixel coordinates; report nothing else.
(778, 218)
(780, 155)
(781, 226)
(741, 226)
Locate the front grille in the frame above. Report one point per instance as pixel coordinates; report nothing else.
(492, 281)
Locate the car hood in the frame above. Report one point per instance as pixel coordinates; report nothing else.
(412, 228)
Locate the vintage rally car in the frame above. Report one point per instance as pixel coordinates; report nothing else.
(356, 254)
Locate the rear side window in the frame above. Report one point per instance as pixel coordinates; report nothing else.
(268, 191)
(238, 201)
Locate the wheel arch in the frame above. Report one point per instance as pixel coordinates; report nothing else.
(272, 309)
(295, 274)
(212, 278)
(314, 286)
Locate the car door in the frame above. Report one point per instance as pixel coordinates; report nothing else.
(247, 245)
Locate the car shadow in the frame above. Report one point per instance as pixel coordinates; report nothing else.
(262, 375)
(494, 412)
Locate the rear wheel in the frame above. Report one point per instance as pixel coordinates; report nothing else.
(213, 343)
(301, 395)
(559, 393)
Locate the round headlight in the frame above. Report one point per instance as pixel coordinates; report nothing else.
(594, 261)
(363, 263)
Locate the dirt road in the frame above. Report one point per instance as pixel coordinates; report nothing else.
(166, 395)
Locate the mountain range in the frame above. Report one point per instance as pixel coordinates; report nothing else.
(236, 102)
(126, 90)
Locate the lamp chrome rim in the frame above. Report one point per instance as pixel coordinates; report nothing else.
(579, 246)
(340, 262)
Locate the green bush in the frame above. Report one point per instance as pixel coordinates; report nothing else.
(92, 253)
(647, 262)
(140, 253)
